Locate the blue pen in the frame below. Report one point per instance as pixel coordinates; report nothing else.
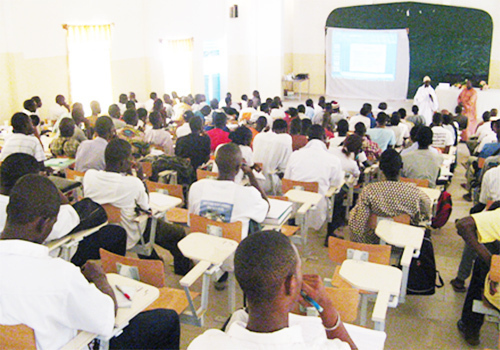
(311, 301)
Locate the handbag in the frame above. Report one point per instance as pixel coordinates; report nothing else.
(423, 273)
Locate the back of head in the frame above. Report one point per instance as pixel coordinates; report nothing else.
(295, 126)
(153, 95)
(292, 112)
(123, 98)
(262, 263)
(353, 143)
(264, 107)
(414, 132)
(241, 136)
(402, 113)
(447, 119)
(437, 119)
(77, 112)
(195, 124)
(38, 101)
(103, 126)
(391, 163)
(364, 111)
(116, 151)
(158, 105)
(261, 123)
(14, 167)
(188, 115)
(494, 112)
(130, 117)
(220, 119)
(205, 110)
(30, 105)
(301, 108)
(114, 111)
(486, 116)
(342, 127)
(280, 126)
(142, 114)
(155, 119)
(414, 109)
(382, 119)
(306, 124)
(19, 122)
(424, 137)
(228, 159)
(214, 104)
(130, 104)
(67, 127)
(382, 106)
(395, 118)
(95, 107)
(35, 120)
(309, 102)
(360, 129)
(32, 197)
(458, 109)
(60, 99)
(316, 132)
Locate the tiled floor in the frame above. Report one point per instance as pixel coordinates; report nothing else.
(423, 322)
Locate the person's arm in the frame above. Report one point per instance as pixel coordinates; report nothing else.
(253, 181)
(334, 328)
(467, 229)
(94, 273)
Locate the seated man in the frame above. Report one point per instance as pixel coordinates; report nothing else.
(383, 136)
(194, 146)
(65, 144)
(115, 185)
(313, 163)
(268, 270)
(223, 199)
(90, 153)
(422, 163)
(110, 237)
(481, 231)
(272, 149)
(52, 296)
(387, 199)
(441, 137)
(132, 135)
(22, 139)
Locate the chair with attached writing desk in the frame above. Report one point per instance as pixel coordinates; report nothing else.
(340, 250)
(151, 272)
(147, 169)
(142, 247)
(287, 230)
(205, 174)
(175, 215)
(18, 337)
(230, 231)
(418, 182)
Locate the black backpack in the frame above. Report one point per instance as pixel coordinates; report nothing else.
(91, 214)
(423, 273)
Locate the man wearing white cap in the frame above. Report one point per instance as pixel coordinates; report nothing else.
(426, 100)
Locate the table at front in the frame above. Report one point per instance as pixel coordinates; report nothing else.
(403, 236)
(144, 296)
(211, 252)
(382, 279)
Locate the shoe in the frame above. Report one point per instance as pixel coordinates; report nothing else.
(220, 284)
(471, 339)
(458, 285)
(467, 197)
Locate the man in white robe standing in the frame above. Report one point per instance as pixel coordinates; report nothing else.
(426, 100)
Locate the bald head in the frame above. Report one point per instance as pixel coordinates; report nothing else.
(228, 161)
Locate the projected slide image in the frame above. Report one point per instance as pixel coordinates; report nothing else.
(364, 55)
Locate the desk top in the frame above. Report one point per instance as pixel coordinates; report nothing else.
(59, 164)
(400, 235)
(433, 193)
(201, 246)
(372, 277)
(144, 296)
(64, 185)
(161, 202)
(300, 196)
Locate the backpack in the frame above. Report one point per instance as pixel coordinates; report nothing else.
(185, 172)
(91, 214)
(423, 273)
(443, 210)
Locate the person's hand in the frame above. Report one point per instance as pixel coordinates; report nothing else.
(246, 169)
(93, 271)
(313, 286)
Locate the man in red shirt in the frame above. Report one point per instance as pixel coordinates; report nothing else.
(218, 135)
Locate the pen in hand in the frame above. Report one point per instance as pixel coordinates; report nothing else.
(311, 301)
(124, 294)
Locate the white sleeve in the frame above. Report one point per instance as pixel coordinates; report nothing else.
(259, 206)
(67, 219)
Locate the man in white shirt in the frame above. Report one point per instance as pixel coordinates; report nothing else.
(268, 270)
(361, 117)
(426, 100)
(122, 103)
(90, 153)
(273, 149)
(224, 199)
(23, 140)
(150, 103)
(52, 296)
(247, 113)
(309, 108)
(118, 187)
(442, 138)
(313, 163)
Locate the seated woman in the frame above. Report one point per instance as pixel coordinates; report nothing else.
(65, 145)
(387, 198)
(298, 140)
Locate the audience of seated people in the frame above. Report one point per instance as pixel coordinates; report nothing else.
(284, 151)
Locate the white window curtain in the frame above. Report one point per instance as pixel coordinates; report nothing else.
(178, 65)
(89, 60)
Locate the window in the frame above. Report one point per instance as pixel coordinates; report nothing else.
(178, 65)
(89, 61)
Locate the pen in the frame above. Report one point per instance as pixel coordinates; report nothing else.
(311, 301)
(126, 295)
